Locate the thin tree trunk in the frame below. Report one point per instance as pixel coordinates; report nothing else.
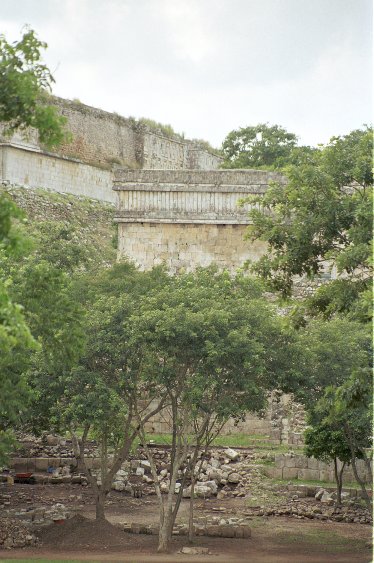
(100, 505)
(164, 535)
(339, 481)
(350, 438)
(190, 521)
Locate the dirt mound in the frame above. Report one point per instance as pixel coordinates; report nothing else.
(80, 532)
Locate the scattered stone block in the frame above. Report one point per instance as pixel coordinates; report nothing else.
(232, 454)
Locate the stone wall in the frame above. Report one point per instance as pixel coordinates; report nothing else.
(291, 466)
(107, 139)
(183, 246)
(187, 218)
(30, 167)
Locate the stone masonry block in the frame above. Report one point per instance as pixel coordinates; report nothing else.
(41, 464)
(301, 461)
(277, 472)
(325, 475)
(290, 472)
(290, 462)
(308, 474)
(279, 460)
(313, 463)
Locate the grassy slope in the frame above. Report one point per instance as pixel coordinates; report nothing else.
(91, 219)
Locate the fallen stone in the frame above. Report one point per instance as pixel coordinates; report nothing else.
(232, 454)
(195, 551)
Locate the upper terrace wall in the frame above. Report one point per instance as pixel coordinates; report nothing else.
(107, 140)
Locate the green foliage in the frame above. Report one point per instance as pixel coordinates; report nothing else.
(166, 130)
(322, 215)
(24, 85)
(324, 442)
(261, 146)
(327, 354)
(16, 342)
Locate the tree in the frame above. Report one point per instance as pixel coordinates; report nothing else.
(16, 342)
(349, 407)
(211, 344)
(261, 146)
(326, 354)
(25, 83)
(97, 394)
(328, 443)
(334, 382)
(321, 218)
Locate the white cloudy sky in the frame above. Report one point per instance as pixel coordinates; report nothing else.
(210, 66)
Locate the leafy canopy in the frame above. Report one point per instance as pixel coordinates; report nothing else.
(24, 85)
(16, 341)
(321, 218)
(261, 146)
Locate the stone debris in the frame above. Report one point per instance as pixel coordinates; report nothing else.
(15, 534)
(295, 508)
(212, 527)
(39, 516)
(195, 551)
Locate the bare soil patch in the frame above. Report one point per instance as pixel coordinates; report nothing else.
(274, 539)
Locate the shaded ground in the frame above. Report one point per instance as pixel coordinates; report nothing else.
(274, 540)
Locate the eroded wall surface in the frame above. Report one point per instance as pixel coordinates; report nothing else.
(105, 139)
(38, 170)
(187, 218)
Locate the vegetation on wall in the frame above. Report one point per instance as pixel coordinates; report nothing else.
(24, 86)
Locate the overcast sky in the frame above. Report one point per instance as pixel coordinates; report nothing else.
(209, 66)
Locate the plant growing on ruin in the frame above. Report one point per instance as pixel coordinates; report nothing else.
(321, 218)
(25, 83)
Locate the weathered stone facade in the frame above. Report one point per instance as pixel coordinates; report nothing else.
(29, 167)
(100, 142)
(187, 218)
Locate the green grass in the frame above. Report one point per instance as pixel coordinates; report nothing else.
(233, 440)
(313, 483)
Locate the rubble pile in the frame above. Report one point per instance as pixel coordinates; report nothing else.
(203, 526)
(221, 473)
(321, 507)
(50, 446)
(14, 533)
(38, 516)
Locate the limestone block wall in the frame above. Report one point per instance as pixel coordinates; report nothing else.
(107, 139)
(183, 246)
(39, 170)
(99, 137)
(160, 152)
(187, 218)
(290, 466)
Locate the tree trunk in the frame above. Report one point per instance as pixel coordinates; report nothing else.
(352, 444)
(165, 533)
(100, 505)
(361, 483)
(339, 481)
(190, 522)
